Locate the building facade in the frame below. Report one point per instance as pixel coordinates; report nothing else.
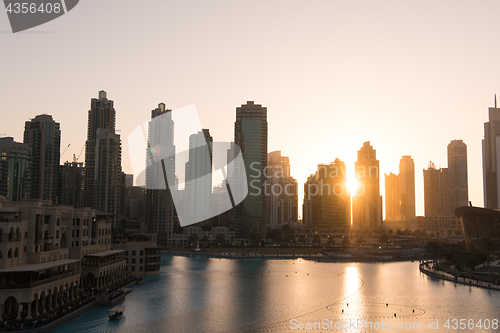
(15, 169)
(407, 187)
(160, 210)
(327, 199)
(250, 135)
(367, 202)
(491, 154)
(392, 204)
(281, 191)
(43, 135)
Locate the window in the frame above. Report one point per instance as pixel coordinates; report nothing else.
(26, 234)
(142, 252)
(133, 252)
(133, 261)
(133, 268)
(140, 268)
(141, 261)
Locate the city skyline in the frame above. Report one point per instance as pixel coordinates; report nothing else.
(429, 85)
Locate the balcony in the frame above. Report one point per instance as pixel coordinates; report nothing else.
(32, 284)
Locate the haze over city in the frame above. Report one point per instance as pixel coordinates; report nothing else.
(407, 77)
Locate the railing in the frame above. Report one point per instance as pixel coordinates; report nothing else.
(107, 263)
(33, 284)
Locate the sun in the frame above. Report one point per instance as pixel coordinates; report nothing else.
(352, 184)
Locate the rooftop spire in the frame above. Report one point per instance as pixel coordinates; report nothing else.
(495, 101)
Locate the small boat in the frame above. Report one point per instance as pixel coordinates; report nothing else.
(116, 313)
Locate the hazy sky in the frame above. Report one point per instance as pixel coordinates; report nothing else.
(409, 76)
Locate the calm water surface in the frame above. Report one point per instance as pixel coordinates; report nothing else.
(196, 294)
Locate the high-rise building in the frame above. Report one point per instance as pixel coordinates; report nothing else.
(491, 153)
(433, 192)
(367, 202)
(71, 188)
(457, 169)
(15, 169)
(308, 207)
(102, 114)
(392, 204)
(198, 177)
(160, 210)
(103, 171)
(43, 135)
(327, 200)
(407, 187)
(108, 173)
(281, 191)
(250, 135)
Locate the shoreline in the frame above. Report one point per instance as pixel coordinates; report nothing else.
(448, 277)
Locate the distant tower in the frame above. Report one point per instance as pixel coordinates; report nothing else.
(160, 209)
(367, 205)
(15, 169)
(282, 191)
(43, 135)
(457, 169)
(103, 158)
(198, 176)
(250, 134)
(434, 193)
(392, 197)
(407, 187)
(491, 154)
(327, 203)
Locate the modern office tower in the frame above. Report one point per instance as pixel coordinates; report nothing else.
(392, 205)
(491, 154)
(433, 193)
(327, 198)
(108, 173)
(160, 209)
(250, 135)
(43, 135)
(457, 169)
(102, 115)
(198, 176)
(308, 207)
(15, 169)
(281, 191)
(71, 188)
(407, 187)
(367, 202)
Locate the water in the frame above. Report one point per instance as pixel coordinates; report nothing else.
(196, 294)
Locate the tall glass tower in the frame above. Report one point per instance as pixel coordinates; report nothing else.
(250, 134)
(43, 135)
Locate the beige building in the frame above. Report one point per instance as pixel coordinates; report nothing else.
(41, 252)
(142, 254)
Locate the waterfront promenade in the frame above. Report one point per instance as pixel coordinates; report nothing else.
(428, 268)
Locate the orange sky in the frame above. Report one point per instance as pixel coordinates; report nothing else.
(407, 76)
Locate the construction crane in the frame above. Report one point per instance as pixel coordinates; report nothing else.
(65, 150)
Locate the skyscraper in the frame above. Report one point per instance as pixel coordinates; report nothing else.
(250, 135)
(43, 135)
(103, 171)
(198, 176)
(491, 153)
(327, 200)
(457, 169)
(407, 187)
(102, 114)
(436, 192)
(160, 209)
(72, 184)
(108, 173)
(15, 169)
(281, 191)
(367, 202)
(392, 203)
